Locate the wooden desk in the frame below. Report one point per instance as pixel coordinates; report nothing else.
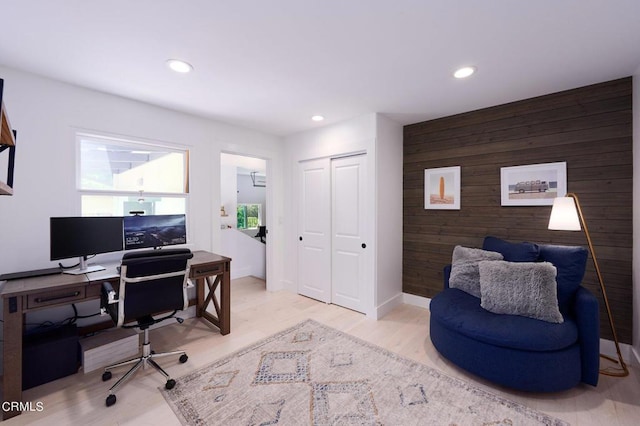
(30, 294)
(204, 267)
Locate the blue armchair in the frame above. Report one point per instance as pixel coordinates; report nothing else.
(520, 352)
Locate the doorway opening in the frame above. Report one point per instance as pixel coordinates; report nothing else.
(243, 214)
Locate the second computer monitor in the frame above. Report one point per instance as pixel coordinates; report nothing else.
(82, 237)
(154, 231)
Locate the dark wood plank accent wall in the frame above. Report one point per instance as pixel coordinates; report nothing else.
(590, 128)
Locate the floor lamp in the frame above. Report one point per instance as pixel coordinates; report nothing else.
(566, 215)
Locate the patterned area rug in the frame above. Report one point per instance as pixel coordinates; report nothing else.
(314, 374)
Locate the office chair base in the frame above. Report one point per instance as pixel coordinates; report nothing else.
(147, 358)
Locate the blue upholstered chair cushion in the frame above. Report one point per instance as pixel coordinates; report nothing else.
(570, 261)
(512, 252)
(461, 312)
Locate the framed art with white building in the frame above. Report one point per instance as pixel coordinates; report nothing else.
(533, 185)
(442, 188)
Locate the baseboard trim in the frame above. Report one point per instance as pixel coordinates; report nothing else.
(287, 285)
(635, 357)
(240, 272)
(628, 352)
(412, 299)
(386, 307)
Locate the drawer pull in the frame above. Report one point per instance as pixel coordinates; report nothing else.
(51, 299)
(208, 271)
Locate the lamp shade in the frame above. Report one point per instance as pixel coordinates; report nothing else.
(564, 215)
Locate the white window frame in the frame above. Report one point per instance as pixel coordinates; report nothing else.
(133, 143)
(259, 214)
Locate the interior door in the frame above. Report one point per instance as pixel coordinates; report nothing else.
(314, 245)
(349, 252)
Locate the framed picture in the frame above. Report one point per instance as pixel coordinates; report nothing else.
(442, 188)
(533, 185)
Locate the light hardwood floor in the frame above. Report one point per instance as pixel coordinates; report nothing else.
(80, 399)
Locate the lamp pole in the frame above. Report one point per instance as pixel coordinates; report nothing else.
(607, 371)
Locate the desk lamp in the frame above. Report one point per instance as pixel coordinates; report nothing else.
(566, 215)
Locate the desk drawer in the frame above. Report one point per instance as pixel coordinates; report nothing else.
(207, 270)
(54, 297)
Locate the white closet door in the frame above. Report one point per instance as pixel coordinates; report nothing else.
(349, 252)
(314, 245)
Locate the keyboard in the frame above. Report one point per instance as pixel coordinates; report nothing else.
(28, 274)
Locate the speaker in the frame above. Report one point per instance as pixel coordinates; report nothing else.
(49, 355)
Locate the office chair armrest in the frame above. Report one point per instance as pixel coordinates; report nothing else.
(108, 301)
(109, 294)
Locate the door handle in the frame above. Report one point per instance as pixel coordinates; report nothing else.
(364, 245)
(300, 238)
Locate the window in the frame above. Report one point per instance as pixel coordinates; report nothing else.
(117, 176)
(249, 216)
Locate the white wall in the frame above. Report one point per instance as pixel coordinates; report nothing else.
(46, 113)
(249, 194)
(355, 135)
(248, 254)
(368, 133)
(229, 194)
(636, 217)
(389, 163)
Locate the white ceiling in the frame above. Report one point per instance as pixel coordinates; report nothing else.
(271, 64)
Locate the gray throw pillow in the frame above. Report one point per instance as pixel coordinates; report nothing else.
(464, 268)
(520, 288)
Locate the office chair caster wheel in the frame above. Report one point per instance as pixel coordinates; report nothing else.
(106, 376)
(111, 399)
(170, 384)
(183, 358)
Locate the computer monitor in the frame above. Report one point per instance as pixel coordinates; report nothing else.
(84, 236)
(154, 231)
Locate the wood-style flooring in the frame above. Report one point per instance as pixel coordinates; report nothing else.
(80, 399)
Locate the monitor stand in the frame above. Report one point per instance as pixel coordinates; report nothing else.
(84, 268)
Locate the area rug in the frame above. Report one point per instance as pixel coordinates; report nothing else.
(312, 374)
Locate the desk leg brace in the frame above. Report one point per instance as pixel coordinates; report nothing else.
(222, 320)
(211, 297)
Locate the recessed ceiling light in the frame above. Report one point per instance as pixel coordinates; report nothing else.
(464, 72)
(317, 118)
(179, 66)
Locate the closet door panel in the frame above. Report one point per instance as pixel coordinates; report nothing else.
(349, 255)
(314, 236)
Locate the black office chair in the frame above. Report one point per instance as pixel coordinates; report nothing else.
(151, 283)
(262, 233)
